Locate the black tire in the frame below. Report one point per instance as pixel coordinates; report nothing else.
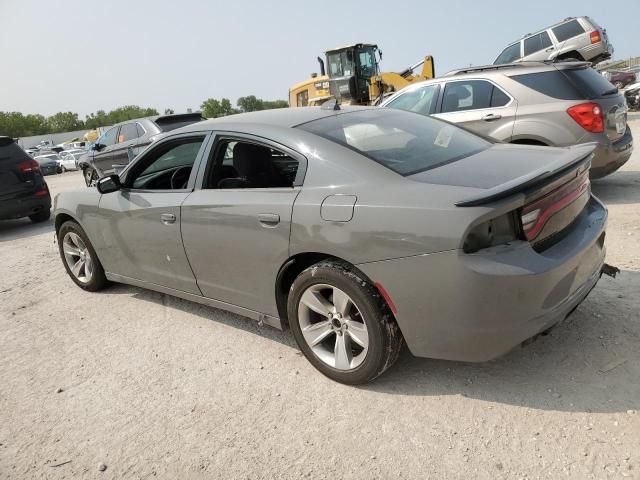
(90, 176)
(41, 216)
(384, 336)
(98, 279)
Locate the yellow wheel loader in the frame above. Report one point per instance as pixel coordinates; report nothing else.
(353, 77)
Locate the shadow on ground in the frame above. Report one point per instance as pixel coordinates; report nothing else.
(23, 228)
(620, 188)
(589, 363)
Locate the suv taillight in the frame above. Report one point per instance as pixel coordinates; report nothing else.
(29, 165)
(588, 116)
(595, 36)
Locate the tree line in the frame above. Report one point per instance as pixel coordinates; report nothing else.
(16, 124)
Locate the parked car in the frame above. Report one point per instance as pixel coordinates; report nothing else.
(558, 104)
(49, 163)
(575, 38)
(125, 140)
(69, 159)
(620, 78)
(23, 190)
(357, 228)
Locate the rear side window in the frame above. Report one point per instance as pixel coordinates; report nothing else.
(421, 100)
(536, 43)
(567, 30)
(509, 54)
(552, 83)
(499, 98)
(466, 95)
(404, 143)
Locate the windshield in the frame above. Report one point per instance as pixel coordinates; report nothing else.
(509, 54)
(404, 142)
(340, 64)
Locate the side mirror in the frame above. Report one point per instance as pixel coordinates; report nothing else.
(109, 184)
(98, 146)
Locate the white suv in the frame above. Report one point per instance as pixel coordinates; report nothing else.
(575, 38)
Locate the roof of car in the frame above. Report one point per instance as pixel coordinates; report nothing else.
(278, 117)
(516, 67)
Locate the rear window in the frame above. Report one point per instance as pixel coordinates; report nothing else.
(567, 30)
(10, 151)
(568, 84)
(404, 142)
(166, 124)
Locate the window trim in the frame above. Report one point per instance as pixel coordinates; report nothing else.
(205, 135)
(495, 85)
(219, 136)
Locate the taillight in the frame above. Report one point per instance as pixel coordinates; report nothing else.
(588, 116)
(534, 216)
(595, 36)
(29, 165)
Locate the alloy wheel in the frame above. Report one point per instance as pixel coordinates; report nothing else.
(78, 257)
(333, 327)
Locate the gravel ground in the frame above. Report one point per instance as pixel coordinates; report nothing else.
(131, 383)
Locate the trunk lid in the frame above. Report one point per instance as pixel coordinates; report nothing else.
(554, 182)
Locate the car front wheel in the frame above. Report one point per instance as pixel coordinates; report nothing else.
(79, 258)
(342, 324)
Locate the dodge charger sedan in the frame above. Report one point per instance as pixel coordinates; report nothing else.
(358, 229)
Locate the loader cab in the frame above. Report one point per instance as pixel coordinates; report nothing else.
(350, 70)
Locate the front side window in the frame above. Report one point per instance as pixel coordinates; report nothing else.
(536, 43)
(127, 132)
(466, 95)
(567, 30)
(509, 54)
(404, 143)
(241, 164)
(167, 167)
(366, 63)
(109, 137)
(420, 100)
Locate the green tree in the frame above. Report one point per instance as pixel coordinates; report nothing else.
(15, 124)
(213, 108)
(64, 122)
(252, 104)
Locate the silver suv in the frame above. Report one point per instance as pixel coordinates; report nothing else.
(575, 38)
(534, 103)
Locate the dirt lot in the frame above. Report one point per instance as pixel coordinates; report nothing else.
(149, 385)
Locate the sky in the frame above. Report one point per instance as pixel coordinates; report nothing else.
(84, 56)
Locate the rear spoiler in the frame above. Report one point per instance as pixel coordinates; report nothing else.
(583, 155)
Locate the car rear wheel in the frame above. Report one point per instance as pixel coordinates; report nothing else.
(79, 258)
(90, 176)
(41, 216)
(342, 324)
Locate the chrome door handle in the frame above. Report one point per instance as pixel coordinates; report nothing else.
(269, 219)
(168, 218)
(490, 117)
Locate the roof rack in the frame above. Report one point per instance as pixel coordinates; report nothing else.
(484, 68)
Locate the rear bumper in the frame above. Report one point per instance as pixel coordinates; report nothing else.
(611, 156)
(24, 206)
(477, 307)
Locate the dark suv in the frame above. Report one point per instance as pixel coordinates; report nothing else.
(23, 191)
(123, 141)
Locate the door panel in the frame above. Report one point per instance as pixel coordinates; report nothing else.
(236, 241)
(141, 233)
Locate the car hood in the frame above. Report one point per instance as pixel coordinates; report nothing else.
(501, 164)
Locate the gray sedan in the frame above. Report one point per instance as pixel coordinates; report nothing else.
(358, 229)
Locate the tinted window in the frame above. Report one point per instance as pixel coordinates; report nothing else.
(466, 95)
(420, 100)
(166, 124)
(499, 98)
(536, 43)
(509, 54)
(168, 166)
(109, 137)
(239, 164)
(567, 30)
(553, 84)
(10, 151)
(589, 82)
(402, 142)
(141, 131)
(128, 132)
